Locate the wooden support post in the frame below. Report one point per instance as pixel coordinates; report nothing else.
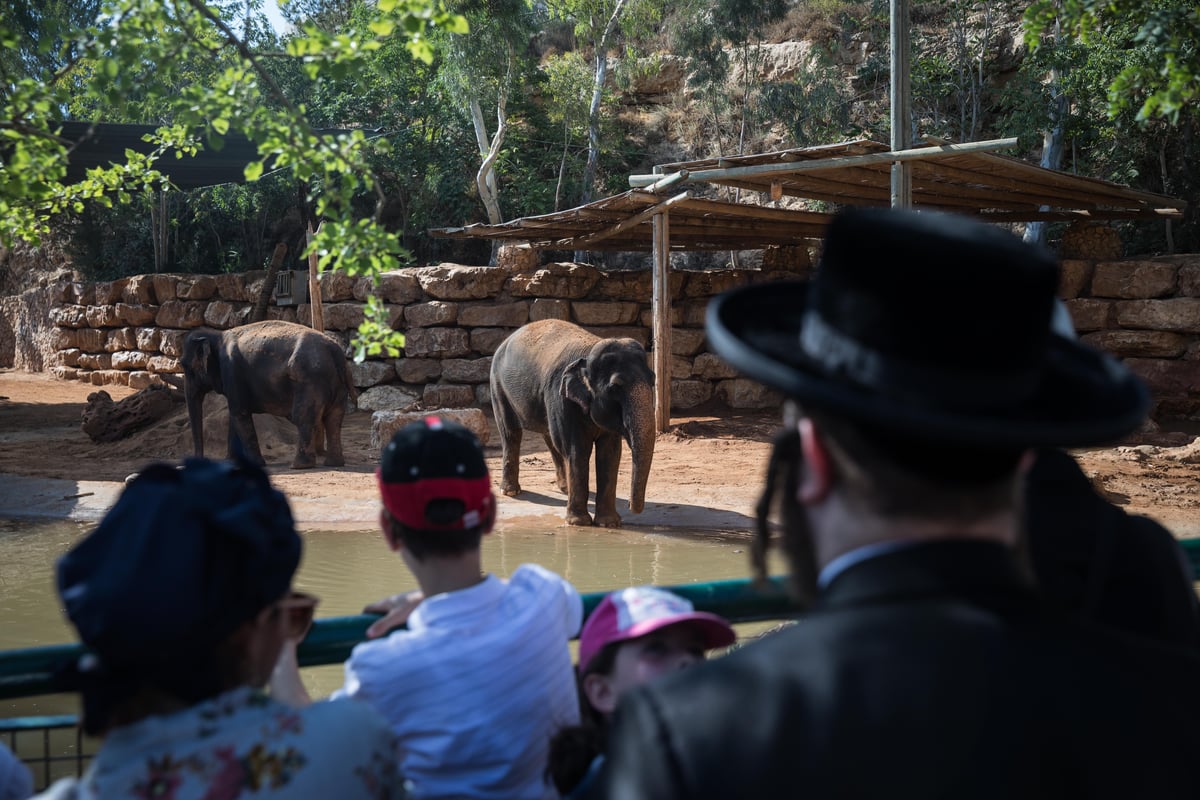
(901, 100)
(660, 300)
(314, 284)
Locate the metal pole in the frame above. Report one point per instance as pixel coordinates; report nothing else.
(901, 103)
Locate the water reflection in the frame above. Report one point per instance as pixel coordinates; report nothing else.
(348, 569)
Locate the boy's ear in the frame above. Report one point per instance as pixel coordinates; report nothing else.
(598, 690)
(389, 531)
(816, 482)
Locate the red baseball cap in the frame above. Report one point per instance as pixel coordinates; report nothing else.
(435, 459)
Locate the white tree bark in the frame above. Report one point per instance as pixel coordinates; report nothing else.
(601, 72)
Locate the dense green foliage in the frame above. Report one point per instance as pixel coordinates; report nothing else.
(450, 114)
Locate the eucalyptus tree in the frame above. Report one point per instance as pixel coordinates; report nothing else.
(568, 94)
(135, 48)
(603, 24)
(1103, 139)
(1167, 85)
(486, 65)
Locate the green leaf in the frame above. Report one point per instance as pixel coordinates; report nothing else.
(253, 171)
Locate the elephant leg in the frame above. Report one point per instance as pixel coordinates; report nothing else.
(330, 426)
(319, 437)
(577, 457)
(304, 415)
(508, 424)
(608, 463)
(241, 426)
(560, 471)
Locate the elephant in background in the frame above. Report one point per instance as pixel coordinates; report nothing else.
(271, 367)
(579, 391)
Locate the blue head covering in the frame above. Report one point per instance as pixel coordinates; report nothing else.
(184, 556)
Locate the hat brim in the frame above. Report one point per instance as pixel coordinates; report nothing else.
(1085, 397)
(715, 630)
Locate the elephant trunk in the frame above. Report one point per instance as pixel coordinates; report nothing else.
(639, 423)
(195, 408)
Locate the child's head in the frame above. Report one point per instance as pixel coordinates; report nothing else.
(637, 634)
(437, 496)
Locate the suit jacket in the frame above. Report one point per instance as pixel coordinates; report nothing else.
(1091, 557)
(929, 672)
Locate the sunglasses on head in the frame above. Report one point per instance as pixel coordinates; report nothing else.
(300, 608)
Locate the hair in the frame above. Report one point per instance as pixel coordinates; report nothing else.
(885, 474)
(117, 695)
(423, 543)
(573, 748)
(783, 475)
(900, 475)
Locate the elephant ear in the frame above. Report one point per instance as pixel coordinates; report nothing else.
(201, 354)
(575, 385)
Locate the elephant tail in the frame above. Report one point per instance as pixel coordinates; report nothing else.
(348, 378)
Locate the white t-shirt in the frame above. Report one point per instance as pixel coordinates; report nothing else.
(243, 743)
(16, 782)
(477, 685)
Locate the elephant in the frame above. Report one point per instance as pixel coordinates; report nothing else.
(579, 391)
(271, 367)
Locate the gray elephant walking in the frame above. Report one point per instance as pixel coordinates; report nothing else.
(580, 392)
(271, 367)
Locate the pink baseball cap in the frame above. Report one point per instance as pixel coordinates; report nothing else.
(639, 610)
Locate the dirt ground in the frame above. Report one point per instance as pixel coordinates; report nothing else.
(705, 474)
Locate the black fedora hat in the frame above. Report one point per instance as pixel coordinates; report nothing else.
(931, 326)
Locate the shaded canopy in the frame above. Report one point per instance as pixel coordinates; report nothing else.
(102, 144)
(963, 178)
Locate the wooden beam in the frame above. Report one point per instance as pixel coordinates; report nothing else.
(660, 304)
(316, 309)
(630, 222)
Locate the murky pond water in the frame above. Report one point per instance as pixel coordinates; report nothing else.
(348, 569)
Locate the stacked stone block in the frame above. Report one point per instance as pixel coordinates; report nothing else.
(1147, 313)
(130, 331)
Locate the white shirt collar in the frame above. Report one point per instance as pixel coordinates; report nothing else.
(859, 554)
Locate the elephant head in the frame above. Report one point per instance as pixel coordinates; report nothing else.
(201, 375)
(615, 387)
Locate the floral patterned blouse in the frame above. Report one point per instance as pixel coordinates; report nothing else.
(243, 744)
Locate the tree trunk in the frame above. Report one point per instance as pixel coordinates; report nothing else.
(1052, 139)
(264, 294)
(601, 70)
(106, 421)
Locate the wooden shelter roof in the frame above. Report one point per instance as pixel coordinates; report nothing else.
(964, 178)
(623, 222)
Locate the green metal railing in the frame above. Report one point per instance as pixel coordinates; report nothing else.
(35, 670)
(53, 746)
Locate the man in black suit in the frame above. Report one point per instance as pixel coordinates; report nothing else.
(924, 373)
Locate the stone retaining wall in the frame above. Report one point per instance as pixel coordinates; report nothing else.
(1146, 312)
(130, 331)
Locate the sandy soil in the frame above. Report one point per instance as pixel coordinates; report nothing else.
(705, 474)
(706, 470)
